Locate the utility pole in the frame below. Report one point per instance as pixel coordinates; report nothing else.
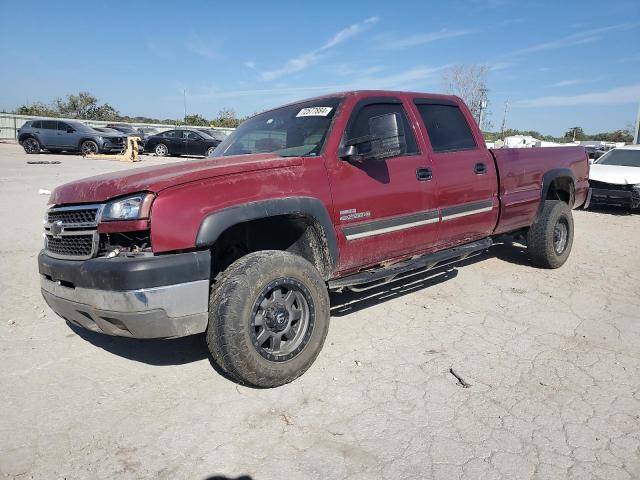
(636, 134)
(504, 119)
(483, 106)
(184, 96)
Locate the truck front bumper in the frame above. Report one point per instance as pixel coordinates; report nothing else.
(142, 297)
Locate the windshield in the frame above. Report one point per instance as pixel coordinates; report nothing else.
(292, 131)
(620, 157)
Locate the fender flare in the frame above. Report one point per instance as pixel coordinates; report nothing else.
(214, 224)
(547, 180)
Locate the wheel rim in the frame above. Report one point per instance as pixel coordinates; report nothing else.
(282, 320)
(560, 236)
(161, 149)
(210, 151)
(89, 147)
(30, 145)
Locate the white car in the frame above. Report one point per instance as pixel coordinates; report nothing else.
(615, 178)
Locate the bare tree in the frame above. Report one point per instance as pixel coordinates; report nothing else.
(469, 82)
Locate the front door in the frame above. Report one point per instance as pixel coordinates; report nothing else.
(195, 144)
(384, 208)
(465, 171)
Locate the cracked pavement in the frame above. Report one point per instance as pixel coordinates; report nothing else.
(551, 359)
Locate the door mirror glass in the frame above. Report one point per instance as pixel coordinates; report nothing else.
(70, 130)
(387, 136)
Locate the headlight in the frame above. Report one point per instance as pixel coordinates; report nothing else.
(134, 207)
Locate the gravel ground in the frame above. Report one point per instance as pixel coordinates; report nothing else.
(550, 362)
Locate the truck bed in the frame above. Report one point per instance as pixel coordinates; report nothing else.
(520, 175)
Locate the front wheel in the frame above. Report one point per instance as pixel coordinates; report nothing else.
(89, 146)
(268, 318)
(550, 238)
(161, 150)
(210, 151)
(31, 145)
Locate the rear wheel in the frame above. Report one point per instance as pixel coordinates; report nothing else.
(88, 146)
(31, 145)
(269, 317)
(161, 150)
(550, 238)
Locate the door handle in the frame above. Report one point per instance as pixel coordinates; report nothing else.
(480, 168)
(424, 174)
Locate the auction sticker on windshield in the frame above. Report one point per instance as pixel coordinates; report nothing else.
(314, 112)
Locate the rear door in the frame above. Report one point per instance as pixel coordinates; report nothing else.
(464, 169)
(49, 133)
(385, 208)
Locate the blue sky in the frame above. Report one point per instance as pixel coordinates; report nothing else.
(559, 64)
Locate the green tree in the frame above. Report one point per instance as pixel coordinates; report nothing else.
(575, 133)
(227, 117)
(38, 109)
(196, 120)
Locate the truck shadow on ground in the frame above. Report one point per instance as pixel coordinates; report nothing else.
(180, 351)
(611, 210)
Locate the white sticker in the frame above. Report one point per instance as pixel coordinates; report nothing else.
(314, 112)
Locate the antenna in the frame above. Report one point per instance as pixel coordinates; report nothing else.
(184, 96)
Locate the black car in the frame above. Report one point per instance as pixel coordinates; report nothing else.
(181, 142)
(219, 135)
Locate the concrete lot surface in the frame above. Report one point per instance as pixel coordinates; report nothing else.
(551, 360)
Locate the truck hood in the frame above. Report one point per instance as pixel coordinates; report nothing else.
(615, 174)
(157, 178)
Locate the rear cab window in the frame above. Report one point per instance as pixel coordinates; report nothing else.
(446, 125)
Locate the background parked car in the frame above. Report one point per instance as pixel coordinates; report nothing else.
(219, 135)
(181, 142)
(615, 178)
(71, 136)
(130, 131)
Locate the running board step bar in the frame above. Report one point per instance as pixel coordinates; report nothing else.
(425, 262)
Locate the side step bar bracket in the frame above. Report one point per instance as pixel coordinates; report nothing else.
(426, 262)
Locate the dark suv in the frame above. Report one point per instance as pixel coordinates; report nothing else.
(56, 136)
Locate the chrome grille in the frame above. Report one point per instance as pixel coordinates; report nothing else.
(84, 216)
(71, 245)
(71, 232)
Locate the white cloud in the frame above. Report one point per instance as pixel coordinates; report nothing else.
(390, 43)
(415, 77)
(615, 96)
(250, 64)
(305, 60)
(209, 48)
(565, 83)
(581, 38)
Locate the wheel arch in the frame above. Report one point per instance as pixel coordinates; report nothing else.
(317, 241)
(558, 184)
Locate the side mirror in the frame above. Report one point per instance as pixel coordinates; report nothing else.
(348, 153)
(387, 136)
(70, 130)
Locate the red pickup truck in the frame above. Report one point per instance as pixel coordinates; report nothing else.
(344, 191)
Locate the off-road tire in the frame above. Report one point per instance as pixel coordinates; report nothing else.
(542, 238)
(233, 298)
(31, 145)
